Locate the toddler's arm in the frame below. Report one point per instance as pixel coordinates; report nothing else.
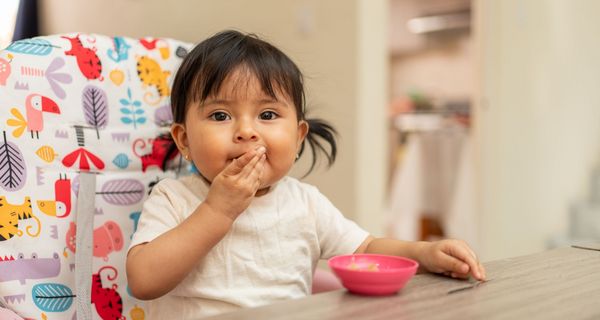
(156, 267)
(451, 257)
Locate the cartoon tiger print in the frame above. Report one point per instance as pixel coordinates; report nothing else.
(151, 74)
(11, 214)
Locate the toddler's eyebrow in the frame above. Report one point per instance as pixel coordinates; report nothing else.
(215, 101)
(268, 100)
(261, 101)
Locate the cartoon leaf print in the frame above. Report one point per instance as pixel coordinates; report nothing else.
(35, 46)
(95, 107)
(55, 77)
(46, 153)
(121, 161)
(132, 110)
(163, 116)
(12, 166)
(19, 122)
(122, 191)
(52, 297)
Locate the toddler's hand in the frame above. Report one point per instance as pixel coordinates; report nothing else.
(232, 190)
(453, 258)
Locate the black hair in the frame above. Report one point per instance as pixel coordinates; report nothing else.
(206, 67)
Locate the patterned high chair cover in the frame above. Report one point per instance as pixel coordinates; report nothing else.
(75, 106)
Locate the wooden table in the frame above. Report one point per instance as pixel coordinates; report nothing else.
(557, 284)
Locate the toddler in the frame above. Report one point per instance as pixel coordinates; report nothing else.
(240, 232)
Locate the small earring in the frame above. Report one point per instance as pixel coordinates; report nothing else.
(187, 157)
(297, 156)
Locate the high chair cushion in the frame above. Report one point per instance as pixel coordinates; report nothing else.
(73, 104)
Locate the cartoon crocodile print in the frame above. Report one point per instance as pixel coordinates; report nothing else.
(22, 268)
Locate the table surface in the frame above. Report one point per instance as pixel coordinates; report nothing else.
(556, 284)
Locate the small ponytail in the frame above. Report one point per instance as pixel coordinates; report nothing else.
(320, 130)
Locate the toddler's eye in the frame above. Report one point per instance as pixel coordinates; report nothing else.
(268, 115)
(219, 116)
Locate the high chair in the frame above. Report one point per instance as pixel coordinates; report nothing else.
(79, 115)
(78, 156)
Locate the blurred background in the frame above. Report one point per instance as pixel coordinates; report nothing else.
(477, 120)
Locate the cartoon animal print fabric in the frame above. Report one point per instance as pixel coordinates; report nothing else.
(87, 60)
(10, 215)
(151, 74)
(74, 103)
(35, 105)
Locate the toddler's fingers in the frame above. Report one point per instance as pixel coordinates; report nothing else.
(472, 252)
(251, 166)
(237, 165)
(459, 275)
(482, 271)
(453, 265)
(256, 175)
(480, 267)
(465, 255)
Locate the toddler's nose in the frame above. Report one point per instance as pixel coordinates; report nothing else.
(246, 132)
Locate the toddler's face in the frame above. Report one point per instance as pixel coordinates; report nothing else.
(239, 119)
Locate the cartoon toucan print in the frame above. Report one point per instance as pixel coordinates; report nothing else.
(35, 105)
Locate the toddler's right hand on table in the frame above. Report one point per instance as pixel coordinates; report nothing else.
(232, 190)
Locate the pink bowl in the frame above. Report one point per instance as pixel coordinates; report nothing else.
(373, 274)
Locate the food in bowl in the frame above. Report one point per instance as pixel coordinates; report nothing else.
(362, 267)
(373, 274)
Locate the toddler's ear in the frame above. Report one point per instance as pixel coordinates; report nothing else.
(302, 131)
(179, 136)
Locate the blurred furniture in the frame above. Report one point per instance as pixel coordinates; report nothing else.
(432, 188)
(557, 284)
(584, 216)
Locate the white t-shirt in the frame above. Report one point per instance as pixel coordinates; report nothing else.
(268, 255)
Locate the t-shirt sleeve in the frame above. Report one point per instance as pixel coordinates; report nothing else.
(337, 234)
(159, 215)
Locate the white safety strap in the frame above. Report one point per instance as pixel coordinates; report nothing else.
(84, 244)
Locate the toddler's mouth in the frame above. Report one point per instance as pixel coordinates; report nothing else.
(243, 153)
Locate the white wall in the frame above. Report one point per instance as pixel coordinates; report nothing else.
(371, 119)
(340, 46)
(444, 72)
(439, 65)
(537, 118)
